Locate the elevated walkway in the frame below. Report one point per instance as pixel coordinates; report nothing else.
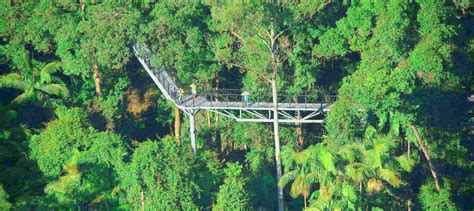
(306, 108)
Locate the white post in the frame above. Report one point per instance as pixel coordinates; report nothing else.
(191, 130)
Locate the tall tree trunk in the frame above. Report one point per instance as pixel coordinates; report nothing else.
(305, 197)
(208, 118)
(177, 125)
(83, 5)
(299, 129)
(97, 80)
(142, 200)
(276, 132)
(218, 132)
(271, 47)
(427, 156)
(409, 149)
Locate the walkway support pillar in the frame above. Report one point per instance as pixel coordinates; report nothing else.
(191, 131)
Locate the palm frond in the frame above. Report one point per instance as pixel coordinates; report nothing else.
(383, 144)
(373, 159)
(25, 97)
(52, 67)
(47, 70)
(325, 157)
(287, 158)
(56, 89)
(298, 186)
(405, 162)
(312, 177)
(302, 157)
(347, 153)
(355, 171)
(370, 132)
(349, 192)
(14, 81)
(390, 176)
(286, 178)
(45, 77)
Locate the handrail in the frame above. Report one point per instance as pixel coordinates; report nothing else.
(230, 96)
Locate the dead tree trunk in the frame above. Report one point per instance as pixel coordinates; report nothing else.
(427, 156)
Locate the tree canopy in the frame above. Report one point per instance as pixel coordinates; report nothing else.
(82, 126)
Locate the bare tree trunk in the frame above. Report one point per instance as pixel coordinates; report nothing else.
(177, 125)
(299, 129)
(305, 196)
(409, 204)
(83, 5)
(142, 200)
(427, 156)
(277, 139)
(208, 118)
(97, 80)
(276, 130)
(409, 149)
(218, 133)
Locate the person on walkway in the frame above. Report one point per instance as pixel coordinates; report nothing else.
(193, 91)
(180, 94)
(245, 98)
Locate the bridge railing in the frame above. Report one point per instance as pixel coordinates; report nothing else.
(231, 97)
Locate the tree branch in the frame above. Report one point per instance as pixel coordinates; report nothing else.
(237, 35)
(265, 42)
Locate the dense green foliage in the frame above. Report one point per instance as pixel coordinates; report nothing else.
(82, 125)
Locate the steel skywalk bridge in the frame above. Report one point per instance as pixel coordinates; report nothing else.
(307, 108)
